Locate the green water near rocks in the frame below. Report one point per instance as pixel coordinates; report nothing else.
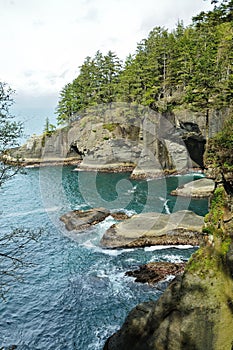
(76, 294)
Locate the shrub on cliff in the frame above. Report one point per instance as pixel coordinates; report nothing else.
(219, 153)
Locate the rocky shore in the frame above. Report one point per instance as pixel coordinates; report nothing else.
(196, 310)
(141, 230)
(146, 229)
(197, 189)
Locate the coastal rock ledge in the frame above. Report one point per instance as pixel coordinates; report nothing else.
(198, 189)
(146, 229)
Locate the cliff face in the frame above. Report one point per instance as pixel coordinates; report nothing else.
(196, 310)
(123, 137)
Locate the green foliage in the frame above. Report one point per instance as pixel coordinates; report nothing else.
(224, 139)
(95, 84)
(202, 261)
(49, 129)
(110, 127)
(219, 153)
(225, 245)
(212, 255)
(10, 132)
(217, 207)
(189, 66)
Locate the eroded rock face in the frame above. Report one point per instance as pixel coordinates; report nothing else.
(182, 227)
(140, 141)
(198, 189)
(112, 154)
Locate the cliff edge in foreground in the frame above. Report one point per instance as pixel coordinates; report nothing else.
(196, 310)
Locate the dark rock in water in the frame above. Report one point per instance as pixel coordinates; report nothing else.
(155, 272)
(80, 220)
(119, 216)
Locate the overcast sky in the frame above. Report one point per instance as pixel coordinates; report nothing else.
(43, 42)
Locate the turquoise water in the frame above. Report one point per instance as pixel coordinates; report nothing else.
(75, 294)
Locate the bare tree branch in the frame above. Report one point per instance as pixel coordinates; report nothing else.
(15, 245)
(14, 250)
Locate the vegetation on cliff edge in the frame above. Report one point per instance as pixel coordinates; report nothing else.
(218, 228)
(188, 66)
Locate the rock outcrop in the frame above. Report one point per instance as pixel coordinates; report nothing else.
(80, 220)
(146, 229)
(155, 272)
(122, 137)
(198, 189)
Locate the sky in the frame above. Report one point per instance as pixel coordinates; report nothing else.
(43, 43)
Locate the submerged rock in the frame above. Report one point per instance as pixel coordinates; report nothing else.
(183, 227)
(155, 272)
(199, 188)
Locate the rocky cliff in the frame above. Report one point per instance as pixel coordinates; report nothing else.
(124, 137)
(196, 310)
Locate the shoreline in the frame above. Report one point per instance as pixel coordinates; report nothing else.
(116, 168)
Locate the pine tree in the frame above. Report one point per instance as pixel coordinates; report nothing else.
(189, 66)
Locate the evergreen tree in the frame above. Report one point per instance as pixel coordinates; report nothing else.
(67, 104)
(189, 66)
(48, 128)
(210, 83)
(110, 74)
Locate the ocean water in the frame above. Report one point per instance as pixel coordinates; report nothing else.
(75, 294)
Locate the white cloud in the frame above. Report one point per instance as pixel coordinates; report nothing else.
(44, 42)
